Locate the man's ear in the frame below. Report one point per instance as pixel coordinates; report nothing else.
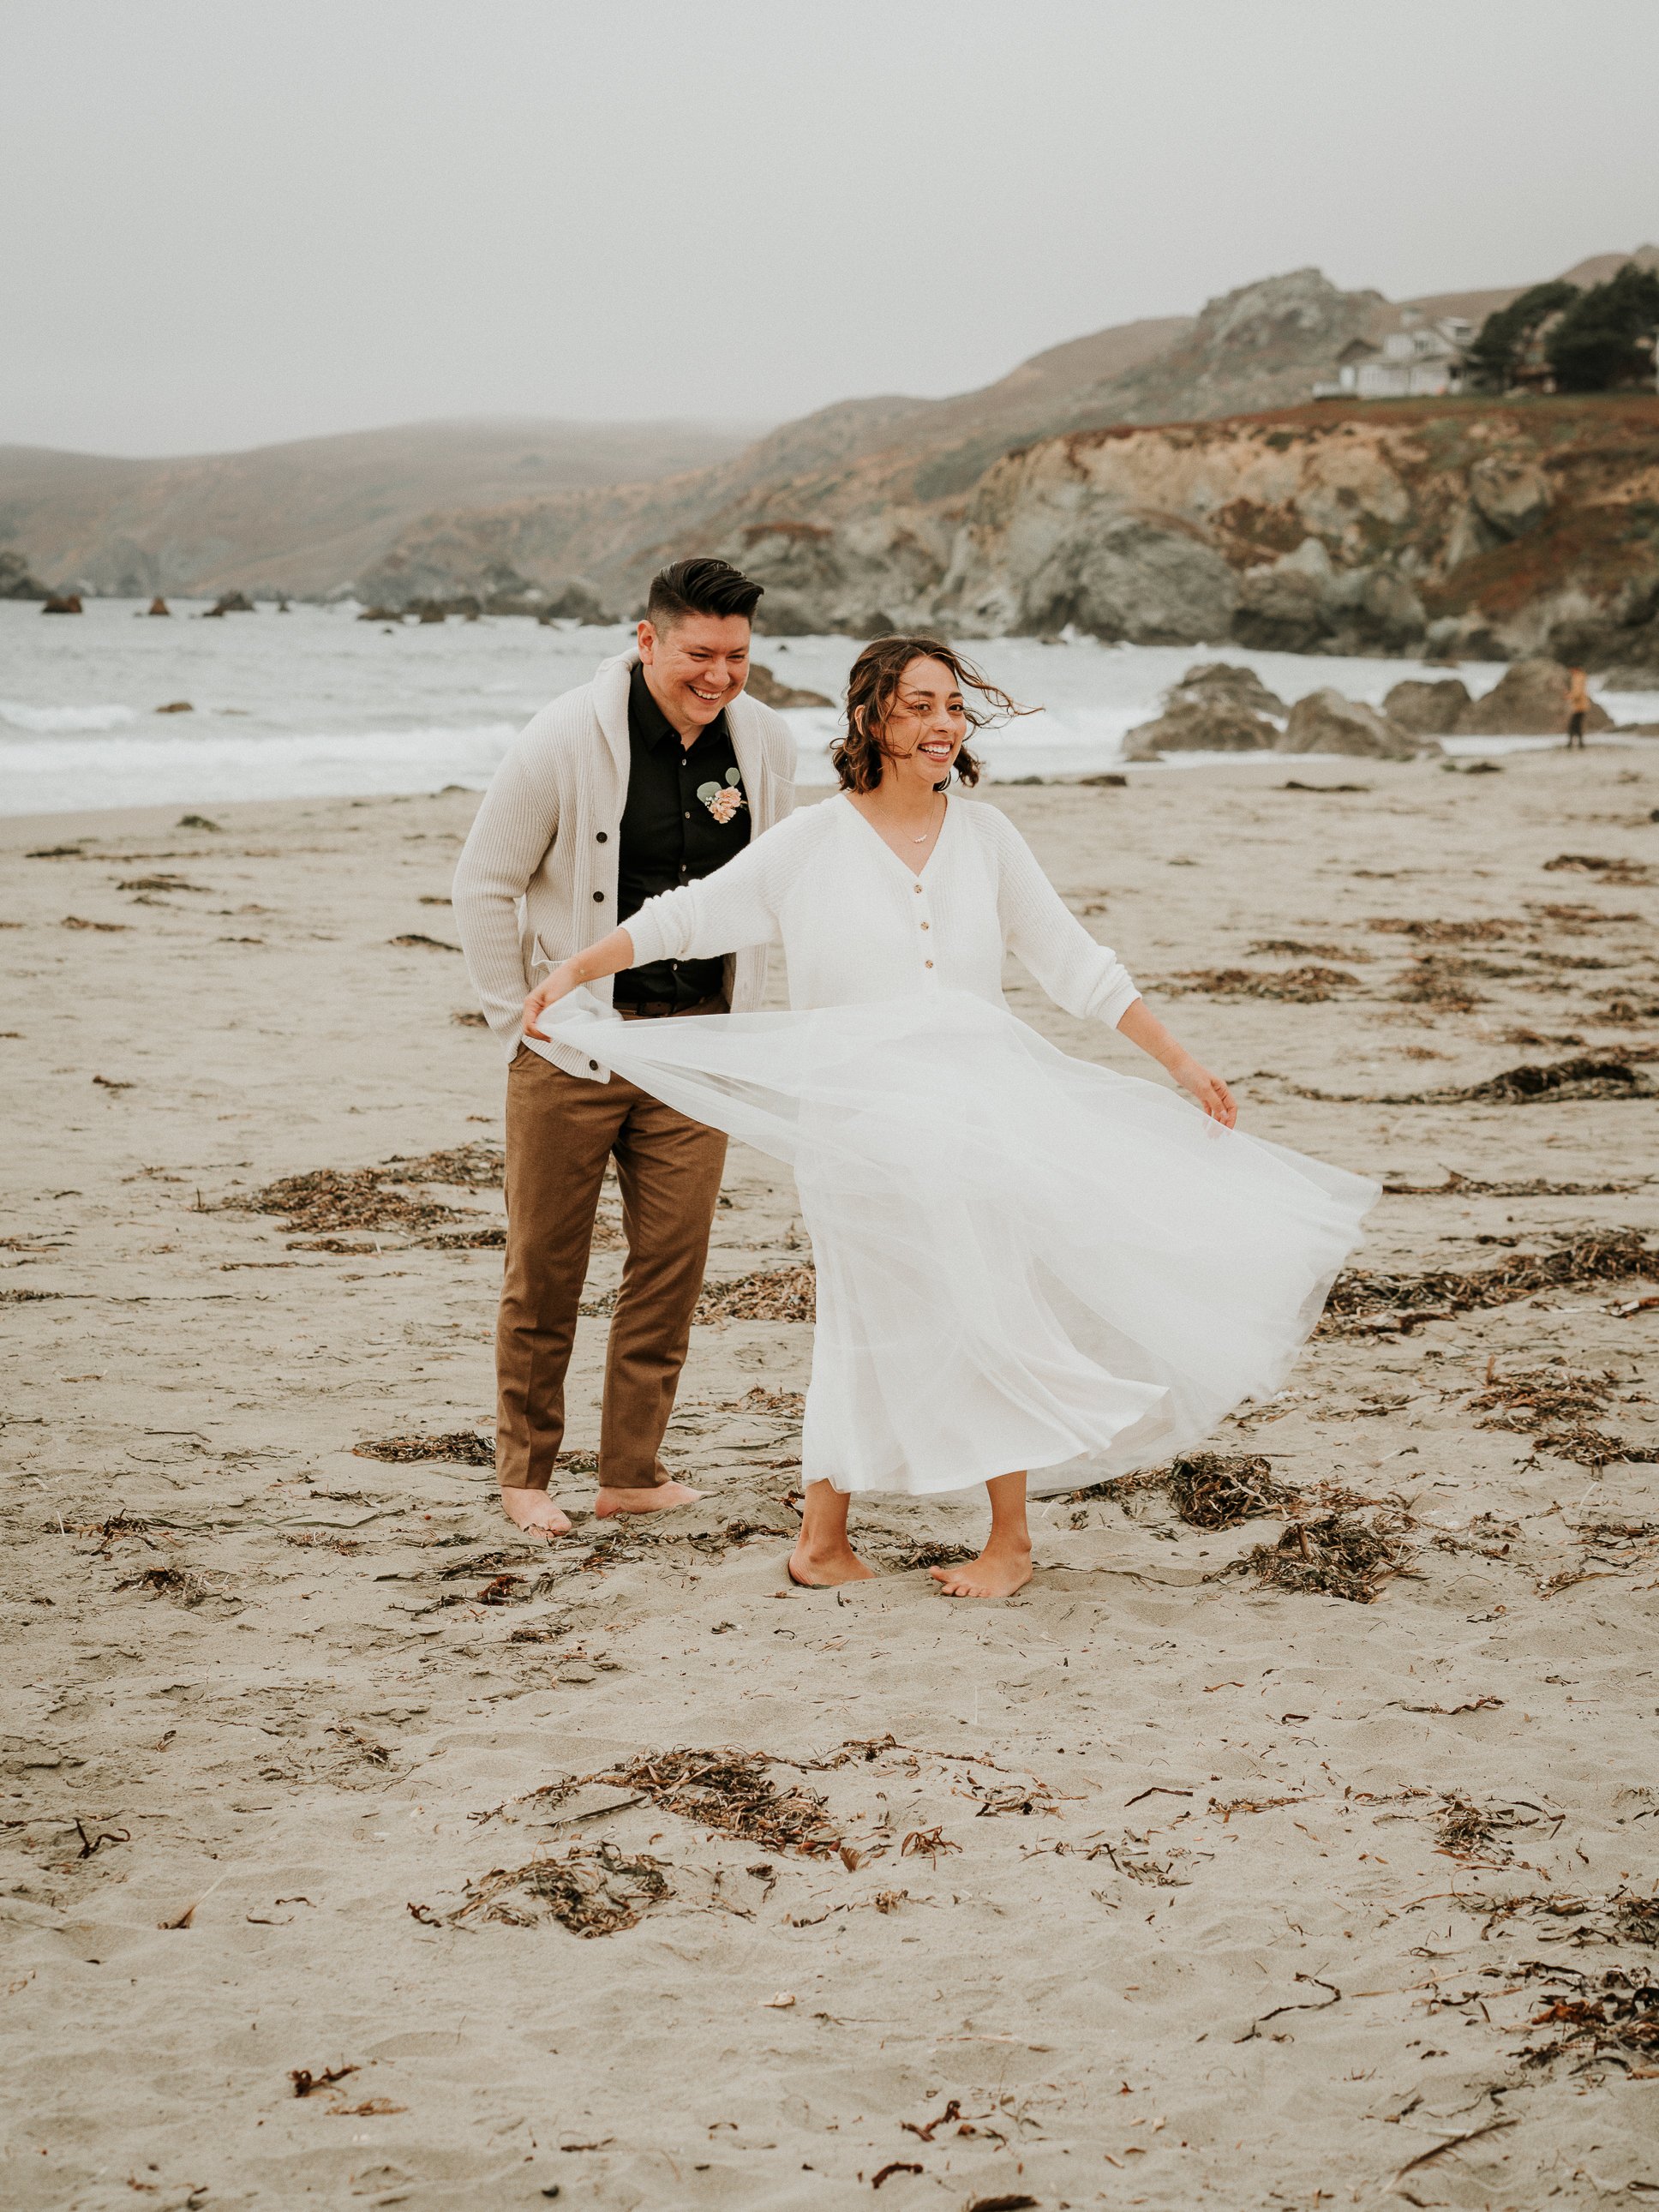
(647, 642)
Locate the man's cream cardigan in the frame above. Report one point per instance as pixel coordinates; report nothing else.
(537, 878)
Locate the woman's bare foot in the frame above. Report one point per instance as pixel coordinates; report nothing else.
(821, 1567)
(654, 1498)
(1000, 1569)
(534, 1511)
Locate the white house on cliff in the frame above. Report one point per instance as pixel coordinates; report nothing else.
(1421, 360)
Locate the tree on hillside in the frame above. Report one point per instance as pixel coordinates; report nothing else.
(1508, 333)
(1607, 335)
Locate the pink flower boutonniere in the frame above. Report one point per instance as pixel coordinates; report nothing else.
(724, 799)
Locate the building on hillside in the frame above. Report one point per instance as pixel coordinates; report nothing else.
(1421, 360)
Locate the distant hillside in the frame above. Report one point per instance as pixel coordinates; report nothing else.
(306, 518)
(855, 511)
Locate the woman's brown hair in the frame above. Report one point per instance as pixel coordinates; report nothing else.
(873, 686)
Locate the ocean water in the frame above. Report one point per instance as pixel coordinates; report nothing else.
(315, 703)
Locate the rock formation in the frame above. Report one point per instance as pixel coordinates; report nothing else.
(1216, 707)
(1529, 701)
(62, 602)
(159, 606)
(1427, 710)
(15, 581)
(765, 687)
(231, 603)
(1329, 722)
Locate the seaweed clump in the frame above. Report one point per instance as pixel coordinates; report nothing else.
(465, 1445)
(728, 1789)
(591, 1893)
(1361, 1299)
(1214, 1490)
(778, 1294)
(1332, 1555)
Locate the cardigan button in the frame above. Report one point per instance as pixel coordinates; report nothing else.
(601, 836)
(599, 898)
(594, 1065)
(926, 964)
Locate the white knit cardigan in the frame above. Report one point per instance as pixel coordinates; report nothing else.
(537, 878)
(857, 923)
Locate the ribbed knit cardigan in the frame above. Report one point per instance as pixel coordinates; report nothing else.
(537, 878)
(857, 923)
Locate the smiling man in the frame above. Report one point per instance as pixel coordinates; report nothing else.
(656, 774)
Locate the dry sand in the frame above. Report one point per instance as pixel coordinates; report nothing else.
(1218, 1892)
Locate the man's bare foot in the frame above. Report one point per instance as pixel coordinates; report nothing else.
(823, 1567)
(655, 1499)
(999, 1571)
(534, 1511)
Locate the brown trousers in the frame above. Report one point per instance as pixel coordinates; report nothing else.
(561, 1131)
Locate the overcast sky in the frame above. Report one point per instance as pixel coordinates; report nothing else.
(227, 223)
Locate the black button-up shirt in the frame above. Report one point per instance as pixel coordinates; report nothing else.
(670, 834)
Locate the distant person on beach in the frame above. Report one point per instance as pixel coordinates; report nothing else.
(653, 776)
(1031, 1272)
(1577, 708)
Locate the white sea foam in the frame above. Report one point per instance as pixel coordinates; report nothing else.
(53, 719)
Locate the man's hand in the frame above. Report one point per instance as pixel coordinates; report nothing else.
(558, 985)
(1211, 1092)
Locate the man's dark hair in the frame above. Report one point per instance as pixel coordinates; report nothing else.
(700, 585)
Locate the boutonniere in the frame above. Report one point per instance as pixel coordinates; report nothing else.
(723, 799)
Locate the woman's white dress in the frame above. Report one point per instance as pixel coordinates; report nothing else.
(1023, 1260)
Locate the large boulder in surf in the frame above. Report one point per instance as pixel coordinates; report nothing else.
(1327, 721)
(1216, 707)
(1427, 710)
(1529, 699)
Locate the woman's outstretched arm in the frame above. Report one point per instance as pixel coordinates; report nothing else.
(608, 957)
(1142, 1027)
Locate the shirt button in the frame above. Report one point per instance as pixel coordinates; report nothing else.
(917, 889)
(927, 925)
(687, 813)
(926, 964)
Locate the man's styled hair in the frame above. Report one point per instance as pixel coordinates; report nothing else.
(700, 585)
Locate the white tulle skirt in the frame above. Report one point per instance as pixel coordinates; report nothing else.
(1023, 1261)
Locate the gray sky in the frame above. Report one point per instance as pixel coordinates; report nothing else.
(226, 223)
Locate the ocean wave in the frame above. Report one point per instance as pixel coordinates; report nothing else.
(48, 721)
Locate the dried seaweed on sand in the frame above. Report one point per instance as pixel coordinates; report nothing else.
(778, 1294)
(590, 1892)
(1305, 985)
(465, 1445)
(1584, 1077)
(1428, 930)
(1212, 1490)
(480, 1165)
(331, 1199)
(728, 1789)
(1333, 1555)
(1458, 1184)
(1533, 1398)
(1613, 2014)
(1360, 1299)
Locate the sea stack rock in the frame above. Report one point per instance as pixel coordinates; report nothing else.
(1216, 707)
(1528, 701)
(765, 687)
(1427, 710)
(62, 602)
(231, 603)
(1329, 722)
(159, 606)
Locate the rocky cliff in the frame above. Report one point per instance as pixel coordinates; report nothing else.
(1454, 526)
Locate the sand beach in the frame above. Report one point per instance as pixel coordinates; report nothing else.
(360, 1850)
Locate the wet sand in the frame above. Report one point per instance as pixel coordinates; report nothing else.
(1218, 1891)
